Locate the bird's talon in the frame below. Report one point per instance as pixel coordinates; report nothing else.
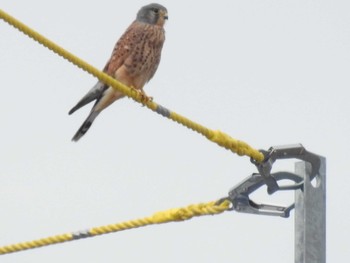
(145, 98)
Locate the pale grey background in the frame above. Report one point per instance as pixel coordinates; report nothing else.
(266, 72)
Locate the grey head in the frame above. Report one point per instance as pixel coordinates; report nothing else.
(152, 14)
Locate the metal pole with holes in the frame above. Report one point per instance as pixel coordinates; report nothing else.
(310, 215)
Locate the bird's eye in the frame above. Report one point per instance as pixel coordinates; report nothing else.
(155, 10)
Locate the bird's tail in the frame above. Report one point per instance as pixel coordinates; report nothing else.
(85, 126)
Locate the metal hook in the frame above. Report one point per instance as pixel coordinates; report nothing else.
(241, 202)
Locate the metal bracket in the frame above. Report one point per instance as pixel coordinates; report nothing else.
(239, 195)
(295, 151)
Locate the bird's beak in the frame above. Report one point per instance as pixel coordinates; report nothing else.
(165, 15)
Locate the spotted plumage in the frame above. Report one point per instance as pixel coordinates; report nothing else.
(134, 61)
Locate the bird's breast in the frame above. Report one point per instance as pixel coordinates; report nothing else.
(145, 55)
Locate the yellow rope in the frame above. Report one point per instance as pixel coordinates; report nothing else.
(222, 139)
(176, 214)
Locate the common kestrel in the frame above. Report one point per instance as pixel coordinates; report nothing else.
(134, 61)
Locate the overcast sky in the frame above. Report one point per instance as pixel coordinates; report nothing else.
(266, 72)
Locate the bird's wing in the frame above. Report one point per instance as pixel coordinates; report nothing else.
(124, 48)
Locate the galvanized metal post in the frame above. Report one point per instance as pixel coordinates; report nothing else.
(310, 216)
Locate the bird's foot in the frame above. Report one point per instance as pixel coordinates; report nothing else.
(143, 96)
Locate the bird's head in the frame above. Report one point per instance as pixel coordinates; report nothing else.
(154, 14)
